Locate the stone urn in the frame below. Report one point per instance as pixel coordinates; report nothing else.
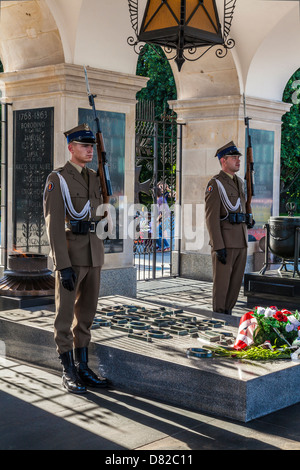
(282, 236)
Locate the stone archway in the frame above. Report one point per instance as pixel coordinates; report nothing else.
(209, 76)
(29, 36)
(276, 59)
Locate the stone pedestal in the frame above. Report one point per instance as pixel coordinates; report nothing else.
(272, 288)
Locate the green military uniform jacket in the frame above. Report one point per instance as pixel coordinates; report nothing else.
(222, 233)
(69, 249)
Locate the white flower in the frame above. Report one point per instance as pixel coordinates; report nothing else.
(269, 312)
(290, 327)
(292, 324)
(260, 310)
(294, 321)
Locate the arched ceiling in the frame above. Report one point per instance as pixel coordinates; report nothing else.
(29, 36)
(267, 52)
(95, 32)
(276, 58)
(267, 34)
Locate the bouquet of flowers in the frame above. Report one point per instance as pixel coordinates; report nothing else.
(266, 334)
(276, 326)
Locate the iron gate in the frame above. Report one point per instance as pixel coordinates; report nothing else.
(157, 189)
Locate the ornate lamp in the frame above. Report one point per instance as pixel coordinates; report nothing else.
(182, 26)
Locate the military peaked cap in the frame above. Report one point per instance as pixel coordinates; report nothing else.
(81, 134)
(228, 149)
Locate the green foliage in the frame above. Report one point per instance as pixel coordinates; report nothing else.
(161, 87)
(265, 330)
(257, 353)
(290, 145)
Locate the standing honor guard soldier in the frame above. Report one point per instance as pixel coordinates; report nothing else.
(227, 223)
(71, 198)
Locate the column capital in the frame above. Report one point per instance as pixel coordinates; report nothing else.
(229, 107)
(69, 79)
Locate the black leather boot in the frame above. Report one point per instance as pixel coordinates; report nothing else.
(87, 376)
(70, 378)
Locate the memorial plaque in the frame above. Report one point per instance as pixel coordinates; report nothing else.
(113, 130)
(33, 161)
(262, 201)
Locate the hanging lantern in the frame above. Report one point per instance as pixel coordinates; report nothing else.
(182, 26)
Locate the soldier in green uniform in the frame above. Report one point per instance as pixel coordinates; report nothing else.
(227, 223)
(71, 198)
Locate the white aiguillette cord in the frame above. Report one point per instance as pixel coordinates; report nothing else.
(225, 201)
(86, 211)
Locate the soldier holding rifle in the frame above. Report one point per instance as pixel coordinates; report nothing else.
(227, 221)
(72, 196)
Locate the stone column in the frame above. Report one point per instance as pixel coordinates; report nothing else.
(63, 88)
(210, 123)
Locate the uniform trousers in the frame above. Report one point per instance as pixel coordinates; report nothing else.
(75, 310)
(227, 278)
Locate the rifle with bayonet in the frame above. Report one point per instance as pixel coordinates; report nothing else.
(101, 152)
(249, 177)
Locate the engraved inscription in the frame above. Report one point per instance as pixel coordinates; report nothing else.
(33, 161)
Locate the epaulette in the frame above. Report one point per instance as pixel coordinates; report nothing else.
(57, 170)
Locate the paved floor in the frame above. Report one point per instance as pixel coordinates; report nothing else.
(37, 414)
(185, 293)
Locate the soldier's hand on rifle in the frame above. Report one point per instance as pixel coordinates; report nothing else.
(221, 255)
(250, 221)
(68, 278)
(251, 224)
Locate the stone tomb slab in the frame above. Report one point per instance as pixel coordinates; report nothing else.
(159, 366)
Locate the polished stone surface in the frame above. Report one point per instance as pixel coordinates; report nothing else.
(160, 368)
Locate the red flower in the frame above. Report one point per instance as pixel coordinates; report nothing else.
(280, 316)
(286, 312)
